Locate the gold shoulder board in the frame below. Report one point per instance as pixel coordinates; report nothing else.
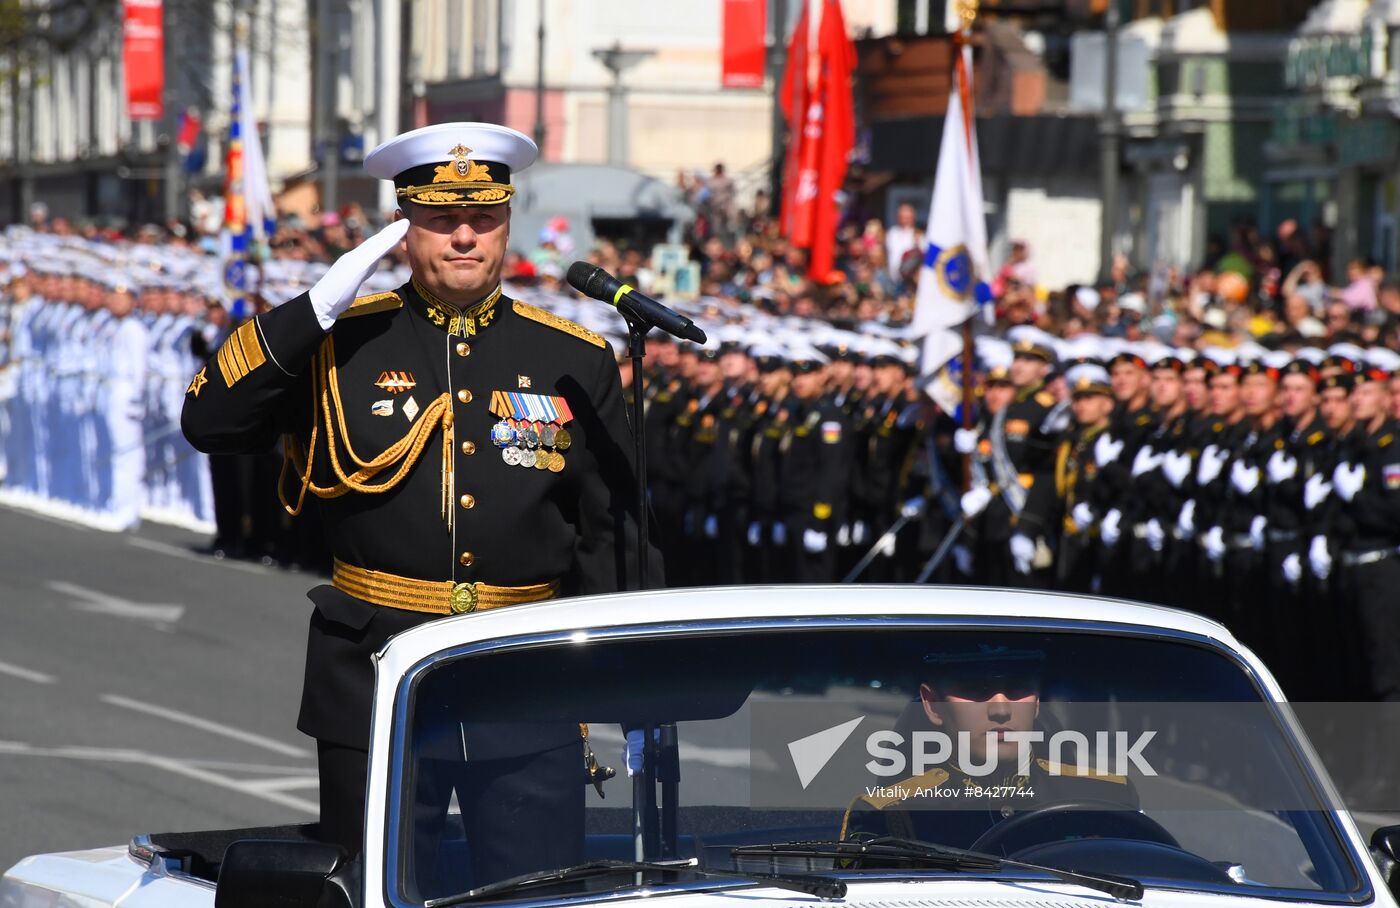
(1385, 439)
(559, 324)
(1045, 399)
(1315, 438)
(1071, 771)
(369, 305)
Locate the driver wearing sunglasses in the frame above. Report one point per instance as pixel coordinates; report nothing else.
(975, 702)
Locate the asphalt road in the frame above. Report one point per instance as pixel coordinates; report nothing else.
(144, 688)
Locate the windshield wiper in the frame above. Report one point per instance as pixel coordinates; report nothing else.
(821, 886)
(941, 857)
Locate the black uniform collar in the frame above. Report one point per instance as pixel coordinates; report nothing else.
(453, 319)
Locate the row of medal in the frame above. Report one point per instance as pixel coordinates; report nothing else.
(531, 444)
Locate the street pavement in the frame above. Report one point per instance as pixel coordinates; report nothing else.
(144, 688)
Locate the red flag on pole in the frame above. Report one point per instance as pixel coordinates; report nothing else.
(144, 59)
(838, 134)
(793, 96)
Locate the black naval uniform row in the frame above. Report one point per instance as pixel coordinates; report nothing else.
(1223, 533)
(738, 479)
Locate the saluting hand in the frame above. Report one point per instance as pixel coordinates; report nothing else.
(336, 289)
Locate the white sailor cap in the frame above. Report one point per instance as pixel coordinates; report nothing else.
(453, 163)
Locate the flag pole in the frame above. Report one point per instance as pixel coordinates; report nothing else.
(967, 12)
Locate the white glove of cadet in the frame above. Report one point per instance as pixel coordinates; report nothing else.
(1319, 559)
(336, 290)
(962, 558)
(711, 527)
(975, 501)
(755, 533)
(1213, 543)
(780, 533)
(965, 440)
(912, 508)
(814, 541)
(1347, 480)
(858, 532)
(1293, 569)
(843, 535)
(1106, 450)
(1282, 466)
(1176, 466)
(886, 545)
(1156, 536)
(1212, 462)
(1186, 521)
(1083, 515)
(1022, 552)
(1256, 532)
(1315, 491)
(1108, 527)
(1145, 461)
(1244, 478)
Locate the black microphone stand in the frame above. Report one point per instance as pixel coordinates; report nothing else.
(636, 349)
(645, 834)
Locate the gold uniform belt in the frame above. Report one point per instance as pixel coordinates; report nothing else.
(440, 597)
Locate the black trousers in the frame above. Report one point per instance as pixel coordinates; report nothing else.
(514, 815)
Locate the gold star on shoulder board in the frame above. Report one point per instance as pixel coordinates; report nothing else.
(198, 382)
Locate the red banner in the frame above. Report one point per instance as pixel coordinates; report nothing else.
(838, 135)
(792, 95)
(144, 59)
(744, 23)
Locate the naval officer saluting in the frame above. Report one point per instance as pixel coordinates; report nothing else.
(477, 457)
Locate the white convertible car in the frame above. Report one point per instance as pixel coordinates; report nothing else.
(888, 747)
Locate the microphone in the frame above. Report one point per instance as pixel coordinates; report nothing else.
(594, 282)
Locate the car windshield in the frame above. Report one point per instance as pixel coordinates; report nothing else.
(1145, 756)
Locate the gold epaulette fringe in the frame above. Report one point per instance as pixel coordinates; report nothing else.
(399, 456)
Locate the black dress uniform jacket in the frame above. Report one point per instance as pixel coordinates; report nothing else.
(405, 382)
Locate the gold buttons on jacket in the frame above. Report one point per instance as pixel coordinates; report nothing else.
(467, 559)
(468, 447)
(468, 501)
(463, 349)
(464, 396)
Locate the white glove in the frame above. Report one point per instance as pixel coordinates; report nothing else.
(965, 440)
(1083, 515)
(1022, 552)
(1256, 532)
(843, 535)
(1108, 527)
(814, 541)
(1347, 480)
(1293, 569)
(912, 508)
(1244, 478)
(1319, 559)
(1282, 466)
(1212, 462)
(1213, 543)
(1156, 536)
(711, 527)
(336, 289)
(1145, 461)
(1315, 491)
(885, 545)
(1186, 521)
(858, 532)
(1176, 467)
(975, 501)
(755, 533)
(962, 558)
(780, 533)
(1106, 450)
